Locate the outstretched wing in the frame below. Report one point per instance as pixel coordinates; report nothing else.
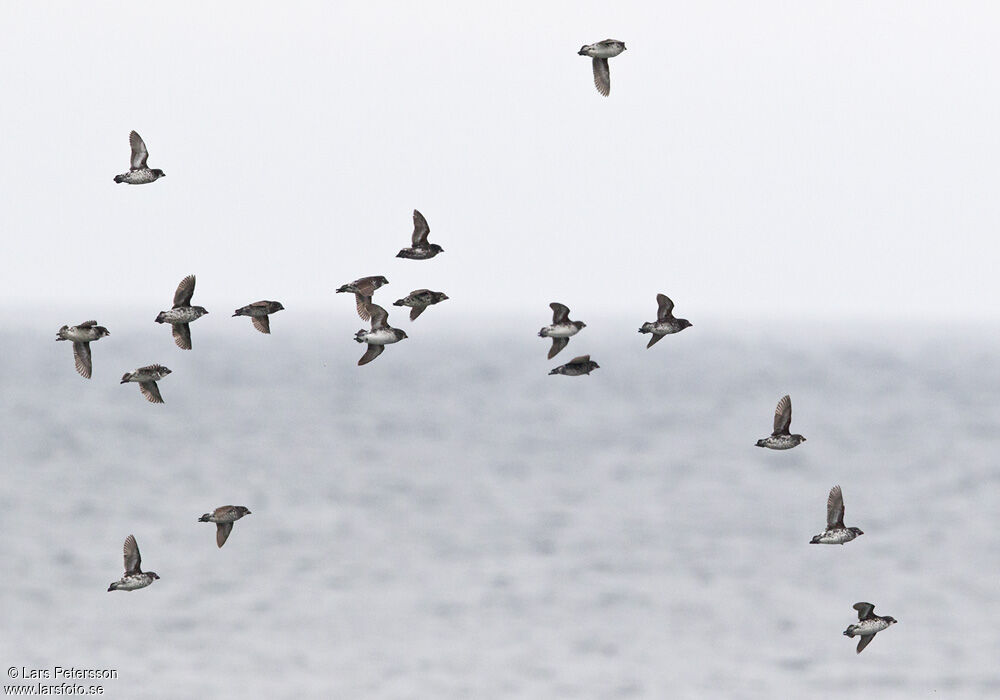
(222, 533)
(361, 302)
(151, 391)
(865, 610)
(139, 152)
(665, 307)
(420, 230)
(81, 354)
(261, 323)
(416, 311)
(131, 551)
(86, 324)
(835, 508)
(380, 316)
(602, 76)
(557, 345)
(581, 360)
(783, 416)
(371, 353)
(185, 290)
(560, 312)
(864, 640)
(654, 339)
(182, 335)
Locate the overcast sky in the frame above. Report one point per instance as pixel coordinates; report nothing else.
(753, 158)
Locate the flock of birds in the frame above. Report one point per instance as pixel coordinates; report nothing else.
(380, 334)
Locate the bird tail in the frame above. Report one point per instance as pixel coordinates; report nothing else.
(119, 179)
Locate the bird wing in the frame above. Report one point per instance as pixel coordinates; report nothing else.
(581, 360)
(261, 323)
(86, 324)
(151, 391)
(361, 302)
(416, 311)
(182, 335)
(371, 353)
(835, 508)
(602, 76)
(380, 316)
(185, 290)
(81, 354)
(222, 531)
(557, 345)
(865, 610)
(665, 307)
(783, 416)
(139, 152)
(560, 312)
(654, 339)
(132, 556)
(864, 640)
(420, 230)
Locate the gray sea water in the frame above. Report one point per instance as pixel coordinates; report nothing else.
(452, 522)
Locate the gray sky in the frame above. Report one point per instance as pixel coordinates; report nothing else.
(753, 158)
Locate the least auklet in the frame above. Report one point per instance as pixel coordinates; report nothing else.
(420, 249)
(147, 377)
(868, 626)
(139, 173)
(601, 52)
(224, 517)
(561, 330)
(577, 366)
(420, 299)
(363, 289)
(665, 323)
(134, 577)
(781, 438)
(258, 313)
(182, 313)
(82, 335)
(380, 335)
(835, 532)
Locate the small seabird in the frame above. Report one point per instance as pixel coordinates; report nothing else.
(420, 249)
(577, 366)
(82, 335)
(601, 52)
(561, 330)
(868, 626)
(379, 336)
(258, 313)
(781, 438)
(835, 532)
(363, 289)
(224, 517)
(134, 577)
(665, 323)
(147, 377)
(139, 173)
(182, 313)
(420, 299)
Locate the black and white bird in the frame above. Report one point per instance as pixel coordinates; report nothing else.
(380, 335)
(836, 532)
(782, 438)
(561, 329)
(419, 248)
(420, 299)
(82, 335)
(363, 289)
(134, 577)
(577, 366)
(182, 313)
(601, 52)
(139, 173)
(146, 377)
(665, 323)
(259, 313)
(224, 517)
(869, 624)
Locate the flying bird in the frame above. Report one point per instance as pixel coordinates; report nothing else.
(82, 335)
(259, 312)
(665, 323)
(601, 52)
(379, 336)
(134, 577)
(147, 377)
(224, 517)
(835, 532)
(420, 249)
(363, 289)
(781, 438)
(577, 366)
(561, 330)
(420, 299)
(182, 313)
(139, 173)
(869, 624)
